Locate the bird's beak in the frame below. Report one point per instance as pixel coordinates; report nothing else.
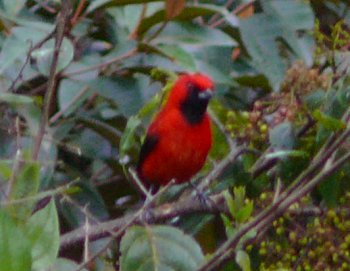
(206, 94)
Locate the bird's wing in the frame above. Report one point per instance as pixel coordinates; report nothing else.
(147, 147)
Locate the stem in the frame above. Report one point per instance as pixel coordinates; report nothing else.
(62, 21)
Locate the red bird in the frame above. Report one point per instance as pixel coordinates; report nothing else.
(179, 138)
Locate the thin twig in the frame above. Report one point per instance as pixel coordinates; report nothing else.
(133, 35)
(217, 15)
(158, 31)
(101, 65)
(26, 62)
(237, 11)
(299, 189)
(60, 113)
(78, 11)
(184, 205)
(138, 215)
(62, 22)
(223, 130)
(49, 193)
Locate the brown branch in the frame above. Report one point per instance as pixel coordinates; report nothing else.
(134, 34)
(62, 22)
(322, 166)
(77, 12)
(30, 51)
(102, 65)
(186, 204)
(154, 215)
(237, 11)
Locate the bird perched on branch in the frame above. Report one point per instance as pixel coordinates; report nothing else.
(179, 138)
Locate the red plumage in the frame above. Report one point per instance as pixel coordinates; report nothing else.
(179, 138)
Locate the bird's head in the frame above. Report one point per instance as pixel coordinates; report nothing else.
(191, 94)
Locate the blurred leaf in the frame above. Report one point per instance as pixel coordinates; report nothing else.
(15, 99)
(62, 264)
(176, 33)
(107, 131)
(32, 114)
(183, 58)
(229, 228)
(71, 95)
(173, 8)
(218, 76)
(282, 136)
(127, 93)
(14, 246)
(280, 19)
(188, 13)
(13, 7)
(43, 232)
(11, 50)
(44, 54)
(99, 3)
(26, 184)
(5, 169)
(17, 45)
(315, 99)
(331, 189)
(245, 212)
(88, 197)
(243, 260)
(26, 107)
(328, 122)
(127, 140)
(159, 248)
(230, 203)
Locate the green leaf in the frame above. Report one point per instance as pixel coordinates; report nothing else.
(159, 248)
(229, 228)
(315, 99)
(5, 169)
(14, 246)
(26, 184)
(44, 55)
(17, 45)
(127, 140)
(13, 7)
(43, 232)
(244, 213)
(188, 13)
(71, 96)
(281, 19)
(100, 3)
(108, 132)
(176, 33)
(127, 93)
(230, 203)
(328, 122)
(15, 99)
(243, 260)
(282, 136)
(183, 58)
(62, 264)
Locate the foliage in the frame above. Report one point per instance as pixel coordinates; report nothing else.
(79, 82)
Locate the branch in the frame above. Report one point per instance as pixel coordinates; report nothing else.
(62, 23)
(304, 184)
(186, 204)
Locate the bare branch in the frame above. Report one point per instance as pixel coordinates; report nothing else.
(62, 23)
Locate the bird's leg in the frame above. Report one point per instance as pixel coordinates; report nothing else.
(203, 198)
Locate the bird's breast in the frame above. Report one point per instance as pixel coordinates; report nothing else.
(181, 150)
